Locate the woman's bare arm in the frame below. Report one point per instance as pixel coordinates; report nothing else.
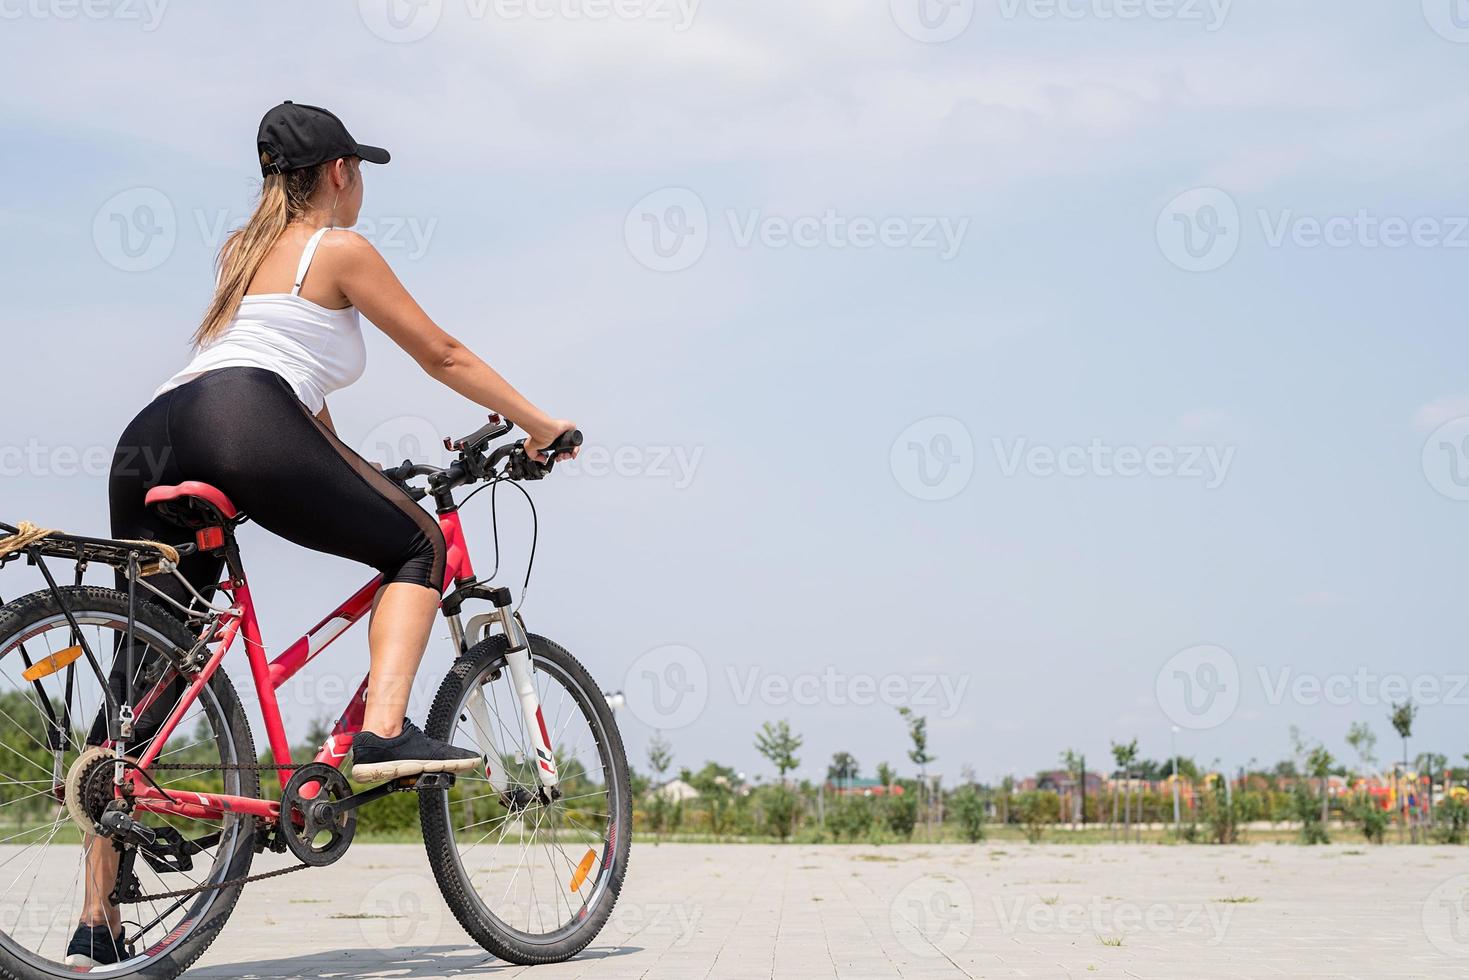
(325, 416)
(368, 282)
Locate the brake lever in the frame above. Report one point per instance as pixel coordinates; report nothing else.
(523, 467)
(399, 475)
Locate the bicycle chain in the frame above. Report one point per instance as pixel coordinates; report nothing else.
(185, 892)
(235, 767)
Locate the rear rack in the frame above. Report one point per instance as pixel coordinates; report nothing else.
(83, 549)
(128, 558)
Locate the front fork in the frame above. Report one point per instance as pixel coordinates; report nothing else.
(522, 682)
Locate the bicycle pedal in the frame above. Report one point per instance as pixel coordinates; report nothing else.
(424, 781)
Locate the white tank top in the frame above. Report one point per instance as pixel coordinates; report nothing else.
(317, 350)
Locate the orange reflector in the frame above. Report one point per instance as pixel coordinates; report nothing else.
(51, 664)
(583, 869)
(209, 538)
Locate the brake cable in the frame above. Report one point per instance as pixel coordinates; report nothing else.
(493, 486)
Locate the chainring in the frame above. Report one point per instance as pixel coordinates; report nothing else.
(313, 828)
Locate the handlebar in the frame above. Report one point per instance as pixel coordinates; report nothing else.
(472, 465)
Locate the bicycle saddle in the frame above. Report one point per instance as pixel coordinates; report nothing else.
(193, 505)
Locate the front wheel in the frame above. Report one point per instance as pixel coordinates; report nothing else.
(532, 881)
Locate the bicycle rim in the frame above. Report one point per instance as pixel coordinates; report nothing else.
(44, 856)
(539, 875)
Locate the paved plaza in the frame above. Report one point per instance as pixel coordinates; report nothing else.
(994, 910)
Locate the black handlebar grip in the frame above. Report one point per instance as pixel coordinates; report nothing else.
(564, 443)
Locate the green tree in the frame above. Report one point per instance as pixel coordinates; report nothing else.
(664, 813)
(1125, 754)
(1432, 763)
(716, 787)
(1363, 742)
(919, 754)
(1071, 761)
(779, 744)
(1402, 718)
(843, 769)
(1318, 764)
(969, 811)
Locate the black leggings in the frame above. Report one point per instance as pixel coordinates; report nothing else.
(244, 431)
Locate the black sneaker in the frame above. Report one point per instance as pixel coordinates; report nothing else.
(376, 759)
(95, 946)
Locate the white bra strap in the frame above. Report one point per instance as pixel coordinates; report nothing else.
(306, 257)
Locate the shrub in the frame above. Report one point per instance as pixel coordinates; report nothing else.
(900, 813)
(1225, 813)
(1036, 810)
(779, 805)
(850, 817)
(1307, 807)
(395, 814)
(1452, 821)
(969, 814)
(1370, 818)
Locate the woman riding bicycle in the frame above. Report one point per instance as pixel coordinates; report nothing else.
(248, 415)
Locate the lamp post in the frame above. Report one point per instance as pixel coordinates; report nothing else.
(1173, 751)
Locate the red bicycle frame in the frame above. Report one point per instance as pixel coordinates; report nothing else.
(268, 676)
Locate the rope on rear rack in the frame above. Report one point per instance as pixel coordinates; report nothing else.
(25, 535)
(28, 534)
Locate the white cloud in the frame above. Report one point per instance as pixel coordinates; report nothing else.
(1439, 411)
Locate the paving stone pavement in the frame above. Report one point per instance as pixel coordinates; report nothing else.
(731, 912)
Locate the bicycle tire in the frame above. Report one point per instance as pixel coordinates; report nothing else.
(31, 612)
(438, 835)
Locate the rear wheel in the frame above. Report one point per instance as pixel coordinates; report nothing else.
(532, 882)
(45, 857)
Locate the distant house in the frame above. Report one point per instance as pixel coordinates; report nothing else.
(863, 787)
(1062, 781)
(677, 791)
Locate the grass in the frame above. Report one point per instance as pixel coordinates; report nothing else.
(362, 915)
(1110, 940)
(1239, 900)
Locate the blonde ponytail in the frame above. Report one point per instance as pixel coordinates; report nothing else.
(284, 197)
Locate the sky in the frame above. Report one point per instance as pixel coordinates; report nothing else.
(1066, 370)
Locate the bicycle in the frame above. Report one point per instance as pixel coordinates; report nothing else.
(172, 784)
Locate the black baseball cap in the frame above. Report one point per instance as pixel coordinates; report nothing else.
(294, 136)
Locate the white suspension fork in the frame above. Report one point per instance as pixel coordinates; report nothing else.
(522, 679)
(479, 718)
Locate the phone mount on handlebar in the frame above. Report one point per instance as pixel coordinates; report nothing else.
(473, 465)
(480, 438)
